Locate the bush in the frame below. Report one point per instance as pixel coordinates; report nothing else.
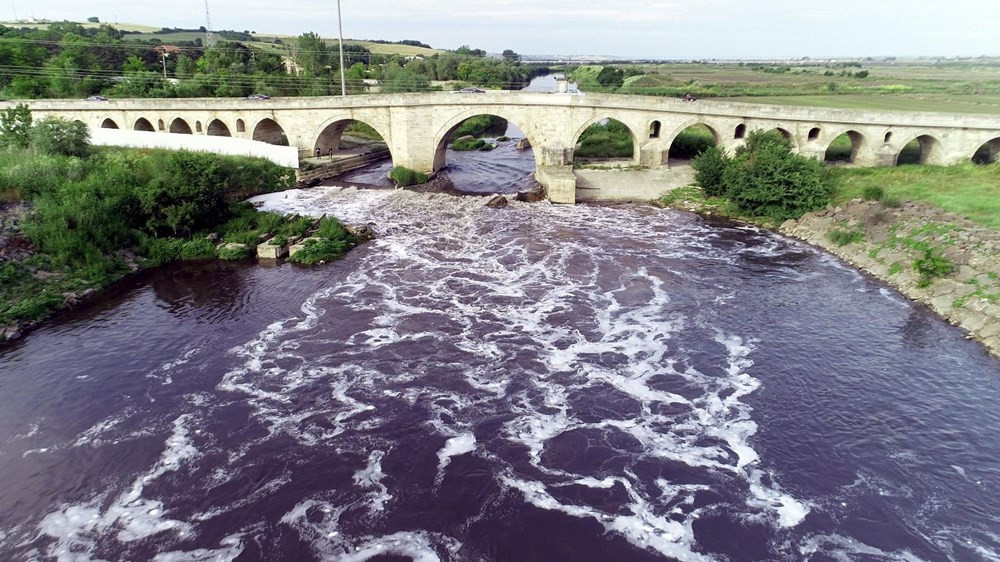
(504, 138)
(932, 265)
(610, 140)
(15, 126)
(160, 251)
(709, 168)
(479, 125)
(691, 142)
(234, 253)
(466, 144)
(404, 176)
(320, 251)
(873, 193)
(53, 135)
(766, 179)
(198, 249)
(845, 237)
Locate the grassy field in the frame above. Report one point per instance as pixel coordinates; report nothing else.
(86, 24)
(901, 102)
(968, 190)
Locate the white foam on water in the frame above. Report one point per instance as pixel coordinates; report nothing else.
(371, 477)
(229, 548)
(129, 517)
(847, 549)
(456, 446)
(330, 542)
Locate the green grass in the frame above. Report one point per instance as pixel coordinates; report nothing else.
(968, 190)
(886, 102)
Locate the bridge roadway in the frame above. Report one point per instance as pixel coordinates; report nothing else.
(416, 126)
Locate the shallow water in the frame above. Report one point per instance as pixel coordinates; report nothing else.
(536, 382)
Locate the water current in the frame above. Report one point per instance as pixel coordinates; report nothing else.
(531, 383)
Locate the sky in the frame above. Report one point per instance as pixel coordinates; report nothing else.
(656, 29)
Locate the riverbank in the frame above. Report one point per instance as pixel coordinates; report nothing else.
(73, 225)
(947, 262)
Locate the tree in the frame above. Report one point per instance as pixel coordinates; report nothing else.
(94, 19)
(310, 53)
(15, 126)
(510, 56)
(53, 135)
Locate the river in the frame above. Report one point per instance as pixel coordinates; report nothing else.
(535, 382)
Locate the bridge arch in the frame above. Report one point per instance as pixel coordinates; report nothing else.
(635, 138)
(443, 134)
(691, 139)
(109, 123)
(838, 150)
(922, 149)
(332, 130)
(216, 128)
(268, 130)
(180, 126)
(740, 132)
(143, 124)
(988, 153)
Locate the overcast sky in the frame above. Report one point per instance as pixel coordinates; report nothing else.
(631, 28)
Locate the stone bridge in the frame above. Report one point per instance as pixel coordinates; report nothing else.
(416, 127)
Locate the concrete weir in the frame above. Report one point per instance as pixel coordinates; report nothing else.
(416, 128)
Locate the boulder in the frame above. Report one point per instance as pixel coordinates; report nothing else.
(533, 196)
(497, 201)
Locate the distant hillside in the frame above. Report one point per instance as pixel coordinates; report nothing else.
(269, 41)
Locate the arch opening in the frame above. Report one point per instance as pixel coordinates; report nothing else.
(109, 124)
(691, 142)
(605, 142)
(844, 148)
(920, 150)
(988, 153)
(654, 130)
(348, 136)
(268, 130)
(486, 151)
(740, 132)
(159, 124)
(143, 124)
(180, 126)
(888, 137)
(218, 129)
(814, 133)
(197, 126)
(241, 126)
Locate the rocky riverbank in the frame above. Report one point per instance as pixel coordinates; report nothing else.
(940, 259)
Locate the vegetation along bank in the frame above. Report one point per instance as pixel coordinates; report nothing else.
(74, 219)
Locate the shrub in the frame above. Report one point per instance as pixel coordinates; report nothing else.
(465, 144)
(932, 265)
(53, 135)
(320, 251)
(234, 253)
(197, 249)
(504, 138)
(404, 176)
(709, 168)
(691, 142)
(480, 124)
(873, 193)
(845, 237)
(159, 251)
(766, 179)
(486, 147)
(610, 140)
(15, 126)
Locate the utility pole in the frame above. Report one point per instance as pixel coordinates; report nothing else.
(163, 54)
(343, 73)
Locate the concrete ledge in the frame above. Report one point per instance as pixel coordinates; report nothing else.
(630, 185)
(287, 156)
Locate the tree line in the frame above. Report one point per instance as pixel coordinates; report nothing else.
(68, 60)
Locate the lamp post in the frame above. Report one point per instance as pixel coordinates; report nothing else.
(343, 74)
